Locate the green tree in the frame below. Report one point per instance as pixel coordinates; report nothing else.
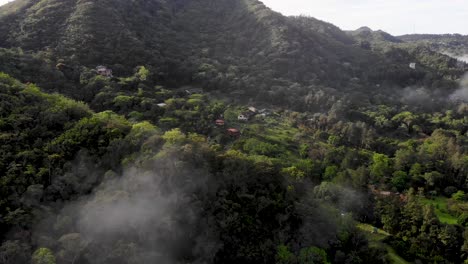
(174, 136)
(43, 256)
(304, 150)
(416, 170)
(459, 196)
(433, 178)
(284, 256)
(399, 180)
(330, 173)
(407, 119)
(313, 255)
(380, 167)
(142, 73)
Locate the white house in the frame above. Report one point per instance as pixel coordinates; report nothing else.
(413, 65)
(242, 117)
(104, 71)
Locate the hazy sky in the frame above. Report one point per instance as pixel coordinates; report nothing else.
(394, 16)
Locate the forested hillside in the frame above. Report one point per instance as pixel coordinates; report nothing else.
(454, 45)
(233, 46)
(225, 133)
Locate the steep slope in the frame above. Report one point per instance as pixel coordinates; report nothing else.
(232, 44)
(87, 31)
(427, 52)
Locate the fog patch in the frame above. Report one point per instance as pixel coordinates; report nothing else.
(416, 96)
(152, 215)
(463, 57)
(461, 94)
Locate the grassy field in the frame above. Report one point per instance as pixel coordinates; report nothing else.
(376, 240)
(441, 209)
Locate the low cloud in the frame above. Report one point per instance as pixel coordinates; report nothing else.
(463, 57)
(416, 96)
(461, 95)
(142, 216)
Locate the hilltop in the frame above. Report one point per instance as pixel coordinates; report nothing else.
(236, 46)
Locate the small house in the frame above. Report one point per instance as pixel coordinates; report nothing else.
(264, 113)
(61, 66)
(220, 122)
(412, 65)
(162, 105)
(385, 193)
(243, 117)
(104, 71)
(252, 109)
(246, 116)
(233, 132)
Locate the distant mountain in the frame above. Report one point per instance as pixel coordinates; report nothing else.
(453, 45)
(433, 53)
(367, 34)
(229, 45)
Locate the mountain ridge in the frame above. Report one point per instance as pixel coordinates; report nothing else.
(235, 47)
(192, 40)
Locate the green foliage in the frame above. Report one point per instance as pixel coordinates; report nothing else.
(304, 150)
(293, 172)
(142, 73)
(459, 196)
(174, 136)
(313, 255)
(406, 118)
(43, 256)
(257, 147)
(441, 209)
(380, 167)
(97, 131)
(284, 256)
(400, 180)
(330, 173)
(334, 108)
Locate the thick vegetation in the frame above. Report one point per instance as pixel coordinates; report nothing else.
(350, 156)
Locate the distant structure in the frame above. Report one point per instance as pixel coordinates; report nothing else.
(243, 117)
(104, 71)
(233, 132)
(381, 193)
(194, 91)
(162, 105)
(220, 122)
(413, 65)
(61, 66)
(263, 112)
(246, 116)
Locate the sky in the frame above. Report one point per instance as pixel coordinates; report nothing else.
(396, 17)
